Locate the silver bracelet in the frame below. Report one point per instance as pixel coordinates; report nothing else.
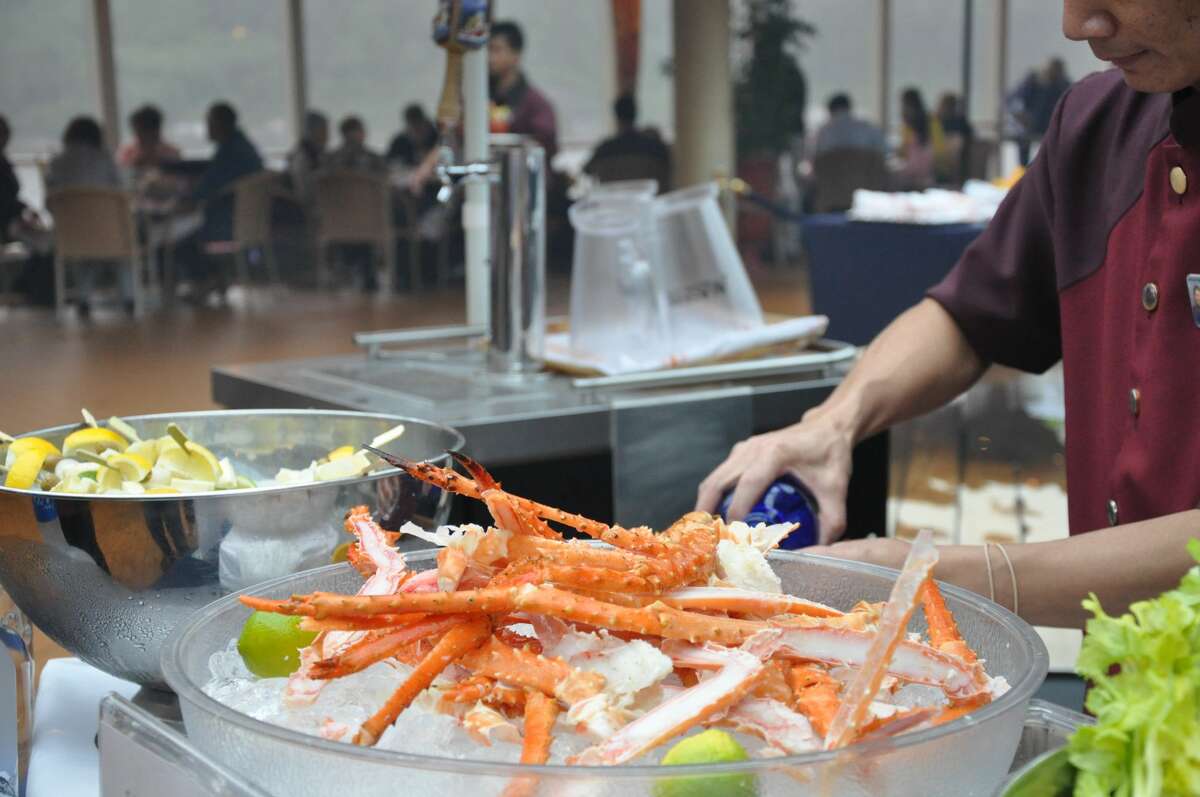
(987, 558)
(1012, 574)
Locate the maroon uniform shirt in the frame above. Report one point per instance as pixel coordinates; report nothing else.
(1087, 260)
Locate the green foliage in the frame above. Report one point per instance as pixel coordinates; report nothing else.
(1146, 740)
(771, 92)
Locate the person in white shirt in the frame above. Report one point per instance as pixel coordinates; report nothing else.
(846, 131)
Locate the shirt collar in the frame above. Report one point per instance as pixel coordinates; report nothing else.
(1185, 117)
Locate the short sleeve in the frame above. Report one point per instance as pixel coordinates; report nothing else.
(1003, 292)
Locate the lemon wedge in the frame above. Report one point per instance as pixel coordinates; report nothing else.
(132, 467)
(94, 440)
(355, 464)
(185, 458)
(390, 435)
(338, 453)
(23, 444)
(25, 469)
(109, 480)
(124, 428)
(161, 490)
(146, 449)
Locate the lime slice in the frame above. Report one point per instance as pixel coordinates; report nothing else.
(133, 468)
(270, 644)
(94, 441)
(710, 747)
(25, 469)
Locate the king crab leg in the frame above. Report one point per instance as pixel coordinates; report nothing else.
(540, 714)
(903, 599)
(458, 640)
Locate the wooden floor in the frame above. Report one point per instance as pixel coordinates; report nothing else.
(944, 468)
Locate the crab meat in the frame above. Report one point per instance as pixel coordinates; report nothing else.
(390, 573)
(745, 566)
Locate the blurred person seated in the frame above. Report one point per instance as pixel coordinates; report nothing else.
(631, 154)
(235, 157)
(844, 130)
(412, 145)
(354, 155)
(309, 155)
(1031, 105)
(147, 150)
(18, 221)
(412, 158)
(957, 135)
(84, 159)
(920, 137)
(517, 107)
(85, 162)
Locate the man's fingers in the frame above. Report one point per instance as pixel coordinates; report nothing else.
(750, 487)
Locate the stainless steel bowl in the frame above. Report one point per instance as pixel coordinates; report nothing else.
(964, 758)
(109, 576)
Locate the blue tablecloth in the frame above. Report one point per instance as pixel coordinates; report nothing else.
(864, 274)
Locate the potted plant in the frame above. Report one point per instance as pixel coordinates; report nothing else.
(770, 98)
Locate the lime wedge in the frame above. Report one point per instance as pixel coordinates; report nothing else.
(270, 644)
(710, 747)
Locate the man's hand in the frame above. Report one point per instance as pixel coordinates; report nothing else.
(815, 451)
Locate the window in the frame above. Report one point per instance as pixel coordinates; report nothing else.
(373, 57)
(184, 56)
(47, 71)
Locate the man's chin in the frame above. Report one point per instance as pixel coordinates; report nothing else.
(1150, 82)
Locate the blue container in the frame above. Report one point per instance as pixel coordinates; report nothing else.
(785, 501)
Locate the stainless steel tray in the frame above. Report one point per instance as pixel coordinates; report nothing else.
(820, 355)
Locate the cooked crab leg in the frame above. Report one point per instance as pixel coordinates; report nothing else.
(390, 573)
(943, 631)
(657, 619)
(375, 622)
(731, 599)
(458, 640)
(451, 564)
(536, 672)
(503, 507)
(896, 723)
(774, 723)
(911, 661)
(815, 695)
(447, 479)
(480, 688)
(380, 645)
(482, 722)
(903, 600)
(540, 714)
(683, 710)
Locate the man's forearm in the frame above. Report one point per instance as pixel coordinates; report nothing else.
(919, 362)
(1120, 565)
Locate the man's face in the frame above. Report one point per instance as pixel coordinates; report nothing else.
(1155, 43)
(502, 58)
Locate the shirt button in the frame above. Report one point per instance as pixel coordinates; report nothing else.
(1135, 401)
(1150, 296)
(1112, 512)
(1179, 180)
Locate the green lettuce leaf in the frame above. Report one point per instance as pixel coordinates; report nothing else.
(1146, 741)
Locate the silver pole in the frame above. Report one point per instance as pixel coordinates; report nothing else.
(297, 68)
(517, 320)
(106, 72)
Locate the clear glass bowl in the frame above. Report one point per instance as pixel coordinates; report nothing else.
(969, 756)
